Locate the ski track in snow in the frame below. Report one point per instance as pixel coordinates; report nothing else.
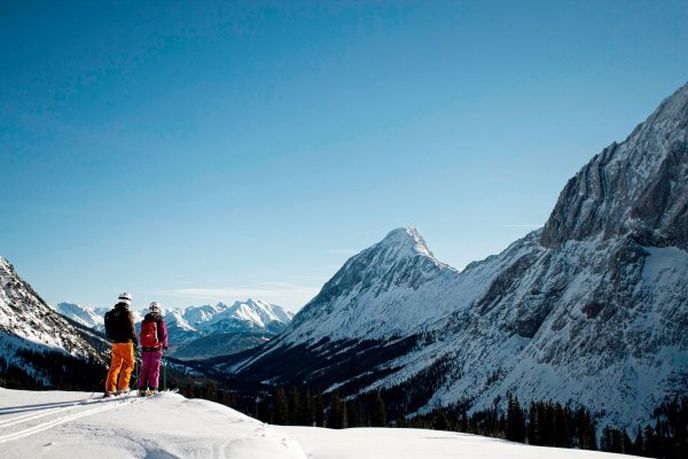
(63, 413)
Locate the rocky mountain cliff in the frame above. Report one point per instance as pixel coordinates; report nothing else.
(30, 329)
(635, 188)
(592, 309)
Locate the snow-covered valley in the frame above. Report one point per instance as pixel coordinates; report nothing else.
(82, 425)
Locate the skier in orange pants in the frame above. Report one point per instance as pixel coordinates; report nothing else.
(119, 327)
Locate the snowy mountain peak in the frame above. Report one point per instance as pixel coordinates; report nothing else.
(672, 108)
(370, 293)
(82, 314)
(406, 241)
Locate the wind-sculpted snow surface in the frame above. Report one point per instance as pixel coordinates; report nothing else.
(76, 425)
(592, 309)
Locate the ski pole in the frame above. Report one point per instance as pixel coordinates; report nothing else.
(137, 368)
(164, 372)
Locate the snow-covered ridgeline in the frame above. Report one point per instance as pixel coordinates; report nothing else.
(204, 331)
(249, 315)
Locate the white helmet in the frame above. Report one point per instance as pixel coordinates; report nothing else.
(154, 307)
(125, 298)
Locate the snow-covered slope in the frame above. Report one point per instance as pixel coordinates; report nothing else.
(74, 425)
(27, 323)
(591, 309)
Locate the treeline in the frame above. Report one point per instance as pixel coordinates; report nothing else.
(51, 370)
(551, 424)
(297, 406)
(543, 424)
(667, 439)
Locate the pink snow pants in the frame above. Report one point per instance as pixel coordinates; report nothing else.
(150, 369)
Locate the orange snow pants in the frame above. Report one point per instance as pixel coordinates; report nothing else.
(122, 360)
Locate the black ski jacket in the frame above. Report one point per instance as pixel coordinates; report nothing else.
(119, 324)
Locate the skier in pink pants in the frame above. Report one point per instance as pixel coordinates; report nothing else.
(153, 342)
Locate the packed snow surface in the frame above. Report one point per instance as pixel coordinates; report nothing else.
(80, 425)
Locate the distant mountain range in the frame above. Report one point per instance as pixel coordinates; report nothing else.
(203, 331)
(590, 310)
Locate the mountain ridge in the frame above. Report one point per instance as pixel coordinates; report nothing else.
(202, 331)
(587, 310)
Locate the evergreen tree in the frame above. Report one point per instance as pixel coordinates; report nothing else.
(319, 411)
(209, 391)
(650, 447)
(606, 442)
(308, 408)
(354, 413)
(638, 443)
(562, 431)
(262, 410)
(296, 416)
(441, 422)
(378, 415)
(281, 410)
(534, 429)
(588, 439)
(337, 413)
(515, 421)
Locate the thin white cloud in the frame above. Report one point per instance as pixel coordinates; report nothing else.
(291, 296)
(343, 251)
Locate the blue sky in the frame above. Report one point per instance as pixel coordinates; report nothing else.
(202, 151)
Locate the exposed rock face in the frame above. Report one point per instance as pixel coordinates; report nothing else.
(637, 187)
(592, 309)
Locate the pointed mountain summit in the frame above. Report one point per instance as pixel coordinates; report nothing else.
(405, 241)
(376, 292)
